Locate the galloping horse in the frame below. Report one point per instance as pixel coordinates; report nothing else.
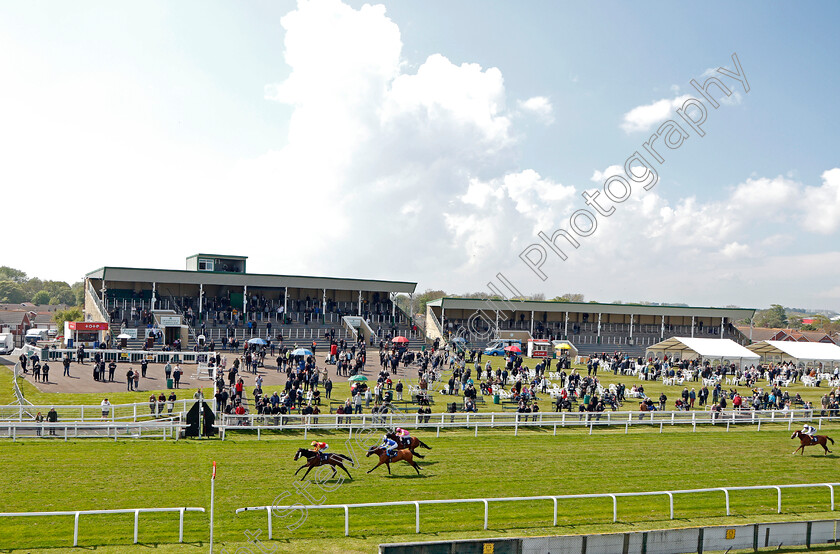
(402, 455)
(412, 445)
(805, 440)
(313, 459)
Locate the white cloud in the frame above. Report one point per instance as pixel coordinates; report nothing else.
(820, 206)
(540, 106)
(600, 176)
(642, 118)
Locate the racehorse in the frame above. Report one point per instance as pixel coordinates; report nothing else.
(402, 455)
(412, 445)
(315, 459)
(805, 440)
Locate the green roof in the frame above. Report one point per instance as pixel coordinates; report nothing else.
(438, 302)
(218, 256)
(190, 272)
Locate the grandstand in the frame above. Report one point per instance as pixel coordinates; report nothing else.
(590, 326)
(214, 296)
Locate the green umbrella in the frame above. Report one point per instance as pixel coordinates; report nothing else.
(358, 378)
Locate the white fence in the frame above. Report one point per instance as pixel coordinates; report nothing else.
(515, 420)
(164, 429)
(135, 511)
(79, 412)
(555, 499)
(131, 356)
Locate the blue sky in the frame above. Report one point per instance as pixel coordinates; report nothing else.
(425, 141)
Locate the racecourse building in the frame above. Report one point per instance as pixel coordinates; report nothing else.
(216, 291)
(591, 326)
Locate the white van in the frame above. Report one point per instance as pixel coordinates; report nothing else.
(7, 343)
(34, 335)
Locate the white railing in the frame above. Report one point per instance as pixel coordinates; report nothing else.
(438, 421)
(19, 399)
(554, 498)
(80, 412)
(130, 356)
(164, 429)
(103, 313)
(135, 511)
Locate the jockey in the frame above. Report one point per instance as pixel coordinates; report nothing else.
(319, 447)
(390, 446)
(809, 430)
(403, 434)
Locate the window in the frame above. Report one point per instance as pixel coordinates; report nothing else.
(205, 265)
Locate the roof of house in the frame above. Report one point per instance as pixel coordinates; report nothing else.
(770, 333)
(13, 318)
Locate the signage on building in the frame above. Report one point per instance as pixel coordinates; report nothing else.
(170, 321)
(88, 326)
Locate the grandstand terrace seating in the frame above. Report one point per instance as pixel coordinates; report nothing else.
(302, 324)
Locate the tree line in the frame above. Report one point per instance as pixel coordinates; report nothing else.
(16, 287)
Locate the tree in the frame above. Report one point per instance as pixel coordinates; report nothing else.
(78, 290)
(11, 292)
(427, 296)
(569, 297)
(774, 317)
(41, 298)
(70, 314)
(10, 274)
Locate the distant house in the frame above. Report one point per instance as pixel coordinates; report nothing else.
(768, 333)
(18, 321)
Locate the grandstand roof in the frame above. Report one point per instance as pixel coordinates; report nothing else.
(450, 302)
(256, 280)
(817, 351)
(688, 347)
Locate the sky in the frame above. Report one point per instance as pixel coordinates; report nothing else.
(430, 141)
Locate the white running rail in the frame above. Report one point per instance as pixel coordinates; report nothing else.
(135, 511)
(555, 499)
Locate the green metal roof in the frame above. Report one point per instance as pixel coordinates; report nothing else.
(218, 256)
(437, 301)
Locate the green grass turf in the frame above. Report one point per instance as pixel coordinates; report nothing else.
(94, 474)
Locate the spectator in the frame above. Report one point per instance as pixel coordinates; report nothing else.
(106, 408)
(52, 417)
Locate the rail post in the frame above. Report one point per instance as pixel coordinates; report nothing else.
(136, 524)
(181, 525)
(486, 512)
(268, 509)
(671, 503)
(76, 529)
(416, 517)
(831, 488)
(615, 508)
(555, 510)
(726, 493)
(346, 521)
(779, 490)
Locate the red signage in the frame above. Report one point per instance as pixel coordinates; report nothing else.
(88, 326)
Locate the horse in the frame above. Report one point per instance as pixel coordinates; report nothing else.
(806, 440)
(413, 444)
(315, 459)
(402, 455)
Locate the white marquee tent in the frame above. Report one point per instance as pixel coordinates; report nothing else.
(798, 352)
(688, 348)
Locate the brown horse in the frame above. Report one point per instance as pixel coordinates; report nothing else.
(314, 459)
(805, 440)
(412, 445)
(401, 455)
